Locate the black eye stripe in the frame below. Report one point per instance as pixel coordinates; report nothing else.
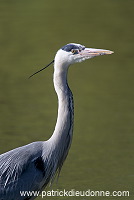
(70, 47)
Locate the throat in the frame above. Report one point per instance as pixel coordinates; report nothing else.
(62, 135)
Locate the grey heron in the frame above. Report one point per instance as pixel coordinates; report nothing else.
(33, 166)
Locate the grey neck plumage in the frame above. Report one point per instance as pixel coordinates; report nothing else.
(62, 136)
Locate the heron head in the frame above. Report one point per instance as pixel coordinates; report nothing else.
(73, 53)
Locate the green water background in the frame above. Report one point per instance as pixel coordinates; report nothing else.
(102, 153)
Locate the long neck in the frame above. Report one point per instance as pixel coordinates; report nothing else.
(62, 136)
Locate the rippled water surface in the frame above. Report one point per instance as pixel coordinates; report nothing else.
(102, 153)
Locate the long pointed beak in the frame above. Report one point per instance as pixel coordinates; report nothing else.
(91, 52)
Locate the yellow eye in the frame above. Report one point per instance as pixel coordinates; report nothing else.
(74, 51)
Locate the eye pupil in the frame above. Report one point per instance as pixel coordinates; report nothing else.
(74, 51)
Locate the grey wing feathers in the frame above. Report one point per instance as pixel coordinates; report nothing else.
(19, 170)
